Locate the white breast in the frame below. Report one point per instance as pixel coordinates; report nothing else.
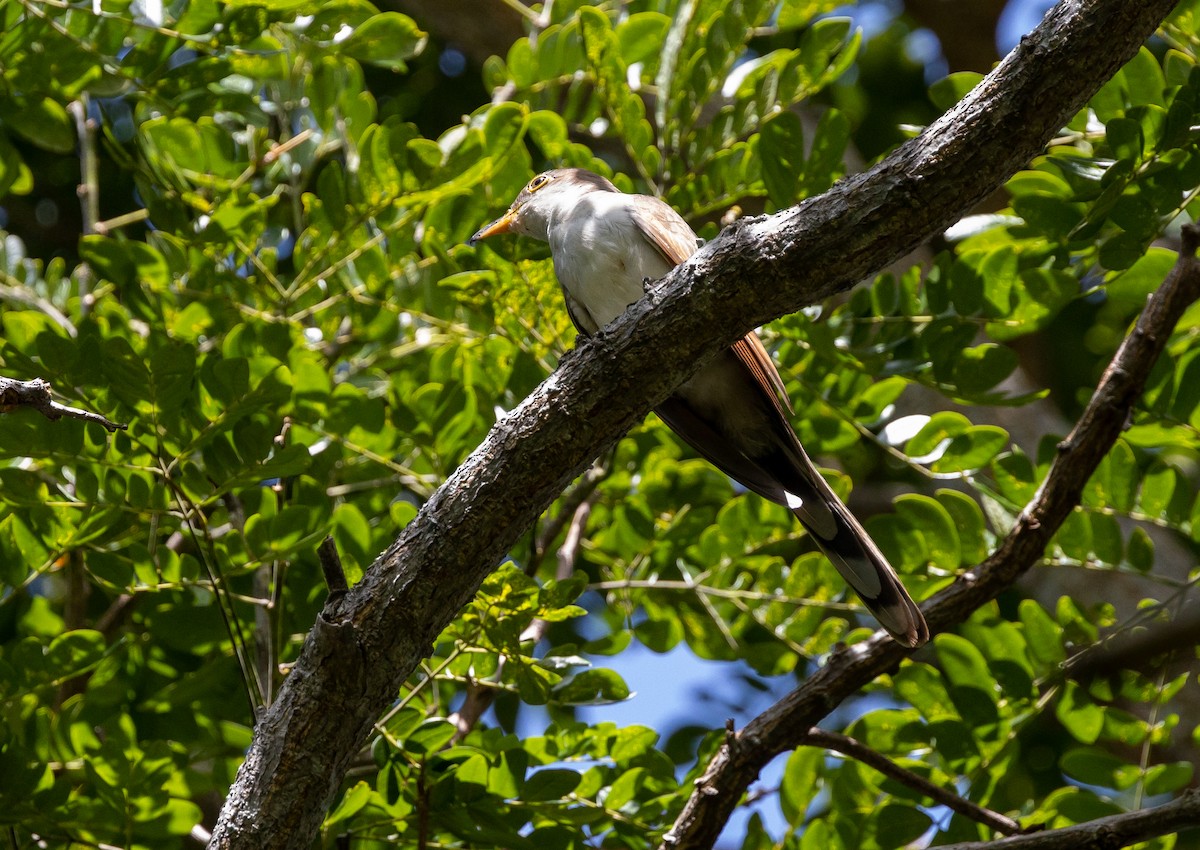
(601, 257)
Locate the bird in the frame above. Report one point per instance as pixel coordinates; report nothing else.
(606, 245)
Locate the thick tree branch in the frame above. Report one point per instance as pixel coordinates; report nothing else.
(367, 643)
(782, 726)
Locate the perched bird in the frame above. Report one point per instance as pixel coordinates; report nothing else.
(734, 411)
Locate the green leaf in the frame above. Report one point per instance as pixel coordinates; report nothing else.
(972, 450)
(430, 736)
(798, 13)
(550, 784)
(1042, 634)
(1040, 296)
(1140, 551)
(1093, 766)
(1121, 251)
(15, 176)
(45, 123)
(1078, 714)
(1168, 778)
(1143, 276)
(781, 146)
(973, 688)
(799, 785)
(826, 159)
(968, 520)
(73, 652)
(172, 371)
(983, 366)
(933, 523)
(963, 664)
(388, 40)
(952, 88)
(352, 802)
(625, 789)
(597, 686)
(640, 36)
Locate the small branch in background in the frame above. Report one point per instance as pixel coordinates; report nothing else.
(89, 170)
(76, 591)
(578, 495)
(88, 189)
(36, 394)
(1107, 833)
(331, 568)
(264, 633)
(855, 749)
(1144, 649)
(268, 586)
(20, 294)
(115, 615)
(481, 695)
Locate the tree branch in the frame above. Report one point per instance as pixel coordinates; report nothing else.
(367, 643)
(743, 755)
(1144, 649)
(1103, 833)
(36, 394)
(859, 751)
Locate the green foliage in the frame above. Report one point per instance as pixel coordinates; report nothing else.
(301, 345)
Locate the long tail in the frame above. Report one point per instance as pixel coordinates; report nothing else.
(846, 543)
(867, 571)
(783, 473)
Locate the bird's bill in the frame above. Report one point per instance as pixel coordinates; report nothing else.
(504, 224)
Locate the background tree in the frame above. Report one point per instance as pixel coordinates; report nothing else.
(281, 311)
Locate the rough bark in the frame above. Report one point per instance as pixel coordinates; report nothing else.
(1104, 833)
(367, 642)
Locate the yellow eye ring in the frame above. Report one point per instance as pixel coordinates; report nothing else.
(538, 182)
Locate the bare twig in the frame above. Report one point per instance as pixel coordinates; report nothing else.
(36, 394)
(855, 749)
(576, 496)
(88, 190)
(331, 568)
(1142, 649)
(22, 294)
(89, 170)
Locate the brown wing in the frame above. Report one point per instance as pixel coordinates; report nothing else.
(666, 230)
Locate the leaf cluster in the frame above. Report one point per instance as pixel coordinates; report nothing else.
(301, 345)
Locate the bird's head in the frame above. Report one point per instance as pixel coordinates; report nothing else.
(542, 197)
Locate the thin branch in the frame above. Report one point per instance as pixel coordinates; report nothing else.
(13, 289)
(89, 169)
(331, 568)
(1103, 833)
(579, 494)
(741, 758)
(859, 751)
(362, 650)
(88, 189)
(35, 394)
(1142, 649)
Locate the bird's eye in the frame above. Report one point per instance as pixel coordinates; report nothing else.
(538, 182)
